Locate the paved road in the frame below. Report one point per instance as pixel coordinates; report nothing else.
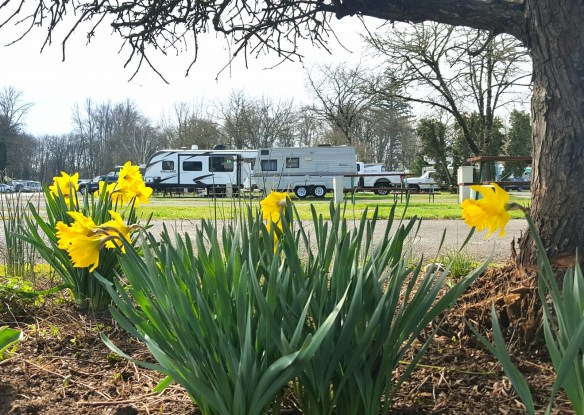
(426, 243)
(428, 238)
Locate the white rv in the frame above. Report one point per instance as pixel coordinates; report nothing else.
(214, 171)
(304, 170)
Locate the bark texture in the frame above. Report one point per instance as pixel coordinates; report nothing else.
(555, 36)
(497, 16)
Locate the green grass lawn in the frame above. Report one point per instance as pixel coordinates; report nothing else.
(445, 206)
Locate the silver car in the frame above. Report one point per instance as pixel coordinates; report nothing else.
(6, 188)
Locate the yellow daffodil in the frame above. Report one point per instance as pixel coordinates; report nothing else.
(129, 175)
(272, 207)
(83, 238)
(84, 252)
(130, 187)
(490, 212)
(142, 194)
(116, 228)
(68, 185)
(82, 226)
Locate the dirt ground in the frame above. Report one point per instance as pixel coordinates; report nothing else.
(62, 367)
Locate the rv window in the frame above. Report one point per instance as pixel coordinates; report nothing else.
(264, 152)
(292, 162)
(167, 165)
(192, 166)
(269, 165)
(220, 163)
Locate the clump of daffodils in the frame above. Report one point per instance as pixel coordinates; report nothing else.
(83, 239)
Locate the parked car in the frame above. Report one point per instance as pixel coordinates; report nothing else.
(522, 184)
(81, 182)
(18, 185)
(424, 182)
(6, 188)
(31, 186)
(93, 184)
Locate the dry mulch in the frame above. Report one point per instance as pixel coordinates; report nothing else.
(62, 366)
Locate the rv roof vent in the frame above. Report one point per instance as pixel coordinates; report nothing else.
(324, 145)
(194, 147)
(218, 147)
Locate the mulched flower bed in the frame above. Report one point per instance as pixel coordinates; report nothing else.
(62, 366)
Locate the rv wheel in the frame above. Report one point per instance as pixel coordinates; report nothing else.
(319, 191)
(301, 192)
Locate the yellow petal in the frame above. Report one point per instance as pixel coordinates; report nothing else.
(489, 212)
(84, 252)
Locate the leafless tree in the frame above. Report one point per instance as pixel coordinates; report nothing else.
(309, 129)
(234, 115)
(134, 136)
(385, 135)
(270, 123)
(340, 95)
(14, 107)
(13, 110)
(457, 70)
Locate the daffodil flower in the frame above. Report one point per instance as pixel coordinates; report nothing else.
(66, 185)
(130, 187)
(116, 228)
(272, 207)
(84, 252)
(82, 226)
(490, 212)
(83, 239)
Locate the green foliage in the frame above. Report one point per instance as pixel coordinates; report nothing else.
(18, 292)
(211, 312)
(87, 291)
(435, 145)
(8, 337)
(461, 263)
(518, 141)
(237, 313)
(563, 324)
(388, 306)
(20, 255)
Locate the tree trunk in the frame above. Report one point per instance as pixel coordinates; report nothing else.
(556, 37)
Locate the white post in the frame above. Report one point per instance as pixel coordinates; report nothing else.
(338, 187)
(229, 190)
(465, 179)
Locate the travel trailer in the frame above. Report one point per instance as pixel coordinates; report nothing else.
(304, 170)
(217, 171)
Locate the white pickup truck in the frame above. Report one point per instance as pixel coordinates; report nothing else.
(425, 182)
(374, 176)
